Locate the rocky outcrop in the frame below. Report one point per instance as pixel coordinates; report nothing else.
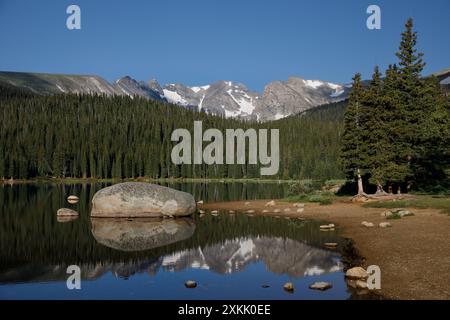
(138, 199)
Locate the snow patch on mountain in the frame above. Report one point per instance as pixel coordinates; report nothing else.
(174, 97)
(337, 93)
(245, 102)
(313, 83)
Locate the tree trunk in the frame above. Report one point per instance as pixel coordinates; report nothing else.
(380, 190)
(360, 184)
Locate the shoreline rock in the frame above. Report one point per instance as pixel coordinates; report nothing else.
(357, 273)
(139, 199)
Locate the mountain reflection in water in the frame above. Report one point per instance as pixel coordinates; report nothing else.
(229, 256)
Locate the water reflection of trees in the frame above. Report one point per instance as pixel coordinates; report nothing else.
(30, 233)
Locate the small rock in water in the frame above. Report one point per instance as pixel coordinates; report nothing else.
(247, 203)
(330, 244)
(300, 210)
(250, 211)
(265, 286)
(299, 205)
(190, 284)
(202, 215)
(385, 225)
(231, 211)
(64, 212)
(367, 224)
(201, 211)
(327, 226)
(287, 210)
(289, 287)
(200, 202)
(356, 273)
(265, 211)
(214, 211)
(277, 210)
(72, 199)
(270, 203)
(322, 286)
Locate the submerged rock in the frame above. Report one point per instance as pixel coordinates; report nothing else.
(138, 199)
(289, 287)
(190, 284)
(64, 212)
(322, 286)
(141, 234)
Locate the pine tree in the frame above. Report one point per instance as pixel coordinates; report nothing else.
(352, 153)
(375, 117)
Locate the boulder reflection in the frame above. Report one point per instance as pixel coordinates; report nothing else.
(140, 234)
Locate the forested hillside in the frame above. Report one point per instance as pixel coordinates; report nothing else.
(120, 137)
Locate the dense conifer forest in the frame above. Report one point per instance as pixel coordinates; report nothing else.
(84, 136)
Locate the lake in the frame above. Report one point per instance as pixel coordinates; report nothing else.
(229, 256)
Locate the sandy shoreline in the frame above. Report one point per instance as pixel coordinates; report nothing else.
(413, 254)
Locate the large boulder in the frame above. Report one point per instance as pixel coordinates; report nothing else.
(138, 199)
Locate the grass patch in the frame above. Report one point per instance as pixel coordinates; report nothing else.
(420, 202)
(323, 198)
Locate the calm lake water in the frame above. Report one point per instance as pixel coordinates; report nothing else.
(230, 257)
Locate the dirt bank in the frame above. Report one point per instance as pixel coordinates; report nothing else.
(414, 254)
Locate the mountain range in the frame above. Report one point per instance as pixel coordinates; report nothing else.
(230, 99)
(224, 98)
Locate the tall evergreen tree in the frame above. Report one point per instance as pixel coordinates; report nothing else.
(353, 155)
(375, 117)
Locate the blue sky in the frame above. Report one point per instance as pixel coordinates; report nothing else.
(200, 41)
